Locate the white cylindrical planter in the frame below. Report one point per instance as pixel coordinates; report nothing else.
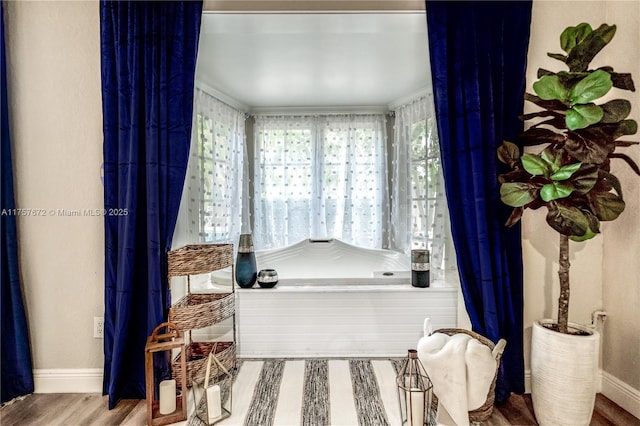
(564, 370)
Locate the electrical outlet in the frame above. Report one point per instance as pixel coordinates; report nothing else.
(98, 327)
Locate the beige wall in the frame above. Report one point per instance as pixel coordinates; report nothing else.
(53, 53)
(621, 266)
(54, 83)
(604, 270)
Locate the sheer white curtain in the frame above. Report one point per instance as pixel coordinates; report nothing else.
(419, 217)
(216, 185)
(320, 177)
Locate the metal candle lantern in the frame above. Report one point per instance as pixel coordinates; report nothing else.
(415, 392)
(216, 395)
(157, 413)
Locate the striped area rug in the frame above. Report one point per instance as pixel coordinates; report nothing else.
(314, 392)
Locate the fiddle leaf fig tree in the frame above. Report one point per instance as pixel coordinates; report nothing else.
(578, 136)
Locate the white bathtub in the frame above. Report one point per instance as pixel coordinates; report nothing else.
(334, 301)
(322, 260)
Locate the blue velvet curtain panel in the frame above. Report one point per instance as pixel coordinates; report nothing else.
(148, 68)
(17, 373)
(478, 56)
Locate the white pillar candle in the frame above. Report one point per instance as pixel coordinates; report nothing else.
(415, 407)
(167, 396)
(214, 404)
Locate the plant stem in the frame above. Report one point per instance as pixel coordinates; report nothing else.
(563, 274)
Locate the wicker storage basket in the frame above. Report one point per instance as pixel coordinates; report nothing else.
(198, 310)
(197, 357)
(483, 412)
(197, 259)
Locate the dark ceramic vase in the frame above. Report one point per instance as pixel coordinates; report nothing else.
(246, 268)
(420, 268)
(267, 278)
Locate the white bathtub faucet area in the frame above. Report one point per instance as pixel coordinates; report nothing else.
(322, 259)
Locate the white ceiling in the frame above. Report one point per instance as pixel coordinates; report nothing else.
(314, 59)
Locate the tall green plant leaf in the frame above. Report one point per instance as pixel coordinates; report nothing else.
(588, 150)
(517, 175)
(539, 136)
(509, 153)
(567, 220)
(595, 143)
(592, 230)
(590, 88)
(535, 165)
(587, 236)
(620, 143)
(525, 117)
(549, 88)
(615, 110)
(541, 72)
(555, 190)
(515, 216)
(518, 194)
(565, 172)
(594, 222)
(572, 36)
(622, 81)
(583, 53)
(585, 178)
(551, 105)
(582, 116)
(558, 56)
(570, 79)
(558, 121)
(606, 205)
(607, 132)
(624, 128)
(611, 180)
(553, 157)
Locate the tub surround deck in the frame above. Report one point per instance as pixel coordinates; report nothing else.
(337, 300)
(339, 320)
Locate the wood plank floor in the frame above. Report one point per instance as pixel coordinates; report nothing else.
(91, 410)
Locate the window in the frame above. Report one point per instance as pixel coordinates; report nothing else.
(419, 209)
(216, 171)
(425, 170)
(320, 177)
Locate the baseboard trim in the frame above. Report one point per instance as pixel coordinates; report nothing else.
(621, 393)
(67, 380)
(89, 380)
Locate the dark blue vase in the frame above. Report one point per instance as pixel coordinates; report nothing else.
(246, 268)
